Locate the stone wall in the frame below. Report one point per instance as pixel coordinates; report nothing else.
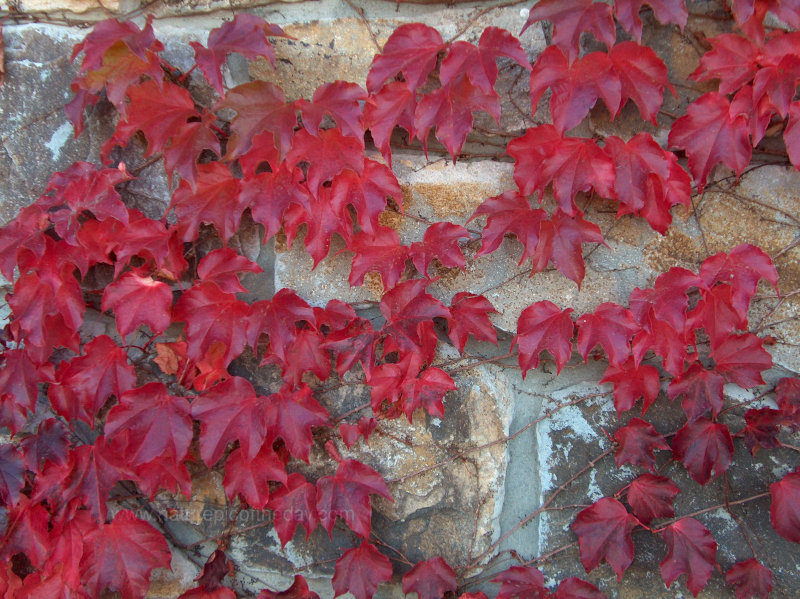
(464, 508)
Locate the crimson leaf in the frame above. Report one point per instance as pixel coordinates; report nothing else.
(704, 447)
(750, 579)
(691, 550)
(360, 570)
(543, 326)
(604, 533)
(430, 579)
(650, 496)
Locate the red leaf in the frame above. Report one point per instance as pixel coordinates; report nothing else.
(411, 49)
(12, 471)
(716, 315)
(636, 163)
(163, 473)
(701, 390)
(561, 240)
(298, 590)
(519, 582)
(292, 504)
(791, 135)
(650, 496)
(703, 446)
(750, 579)
(222, 267)
(575, 588)
(733, 60)
(576, 85)
(469, 315)
(185, 147)
(356, 343)
(612, 327)
(270, 194)
(227, 412)
(571, 164)
(430, 579)
(121, 555)
(48, 444)
(632, 382)
(245, 34)
(346, 495)
(784, 511)
(136, 301)
(250, 477)
(366, 193)
(328, 153)
(339, 99)
(439, 242)
(450, 109)
(278, 318)
(570, 18)
(787, 394)
(85, 383)
(665, 11)
(710, 134)
(216, 568)
(691, 550)
(290, 414)
(637, 441)
(741, 359)
(543, 326)
(381, 253)
(427, 391)
(763, 426)
(604, 533)
(360, 570)
(667, 299)
(351, 432)
(150, 424)
(393, 106)
(20, 377)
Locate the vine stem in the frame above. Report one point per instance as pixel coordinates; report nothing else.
(711, 509)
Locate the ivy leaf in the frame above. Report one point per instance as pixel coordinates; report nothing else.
(636, 163)
(270, 194)
(570, 18)
(791, 135)
(328, 153)
(223, 267)
(469, 315)
(48, 444)
(703, 447)
(360, 570)
(339, 99)
(604, 533)
(346, 495)
(367, 193)
(440, 241)
(298, 590)
(665, 11)
(543, 326)
(560, 241)
(185, 147)
(741, 359)
(784, 511)
(304, 354)
(612, 327)
(430, 579)
(510, 213)
(762, 428)
(412, 50)
(290, 414)
(637, 441)
(278, 318)
(427, 391)
(787, 395)
(393, 106)
(245, 34)
(136, 301)
(701, 390)
(710, 134)
(12, 471)
(520, 581)
(121, 555)
(355, 343)
(650, 496)
(691, 550)
(750, 579)
(250, 477)
(382, 253)
(716, 315)
(351, 432)
(292, 504)
(575, 588)
(20, 377)
(733, 60)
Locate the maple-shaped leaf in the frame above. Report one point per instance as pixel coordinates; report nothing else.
(570, 18)
(341, 100)
(292, 504)
(366, 193)
(290, 414)
(469, 315)
(650, 496)
(223, 267)
(412, 50)
(701, 390)
(163, 473)
(478, 62)
(212, 316)
(784, 511)
(355, 343)
(269, 195)
(393, 106)
(787, 395)
(23, 232)
(743, 267)
(510, 213)
(227, 412)
(521, 581)
(636, 163)
(439, 242)
(637, 442)
(561, 239)
(260, 107)
(791, 135)
(328, 153)
(705, 448)
(28, 532)
(381, 253)
(185, 147)
(715, 314)
(409, 314)
(20, 377)
(576, 86)
(572, 164)
(151, 424)
(575, 588)
(322, 218)
(278, 318)
(386, 382)
(777, 84)
(216, 199)
(762, 428)
(667, 299)
(121, 555)
(544, 326)
(48, 444)
(346, 495)
(664, 194)
(604, 533)
(305, 354)
(750, 15)
(136, 301)
(750, 579)
(351, 432)
(758, 111)
(741, 359)
(612, 327)
(85, 383)
(427, 391)
(733, 60)
(665, 11)
(430, 579)
(250, 477)
(450, 109)
(298, 590)
(12, 471)
(691, 550)
(710, 134)
(360, 570)
(245, 34)
(216, 568)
